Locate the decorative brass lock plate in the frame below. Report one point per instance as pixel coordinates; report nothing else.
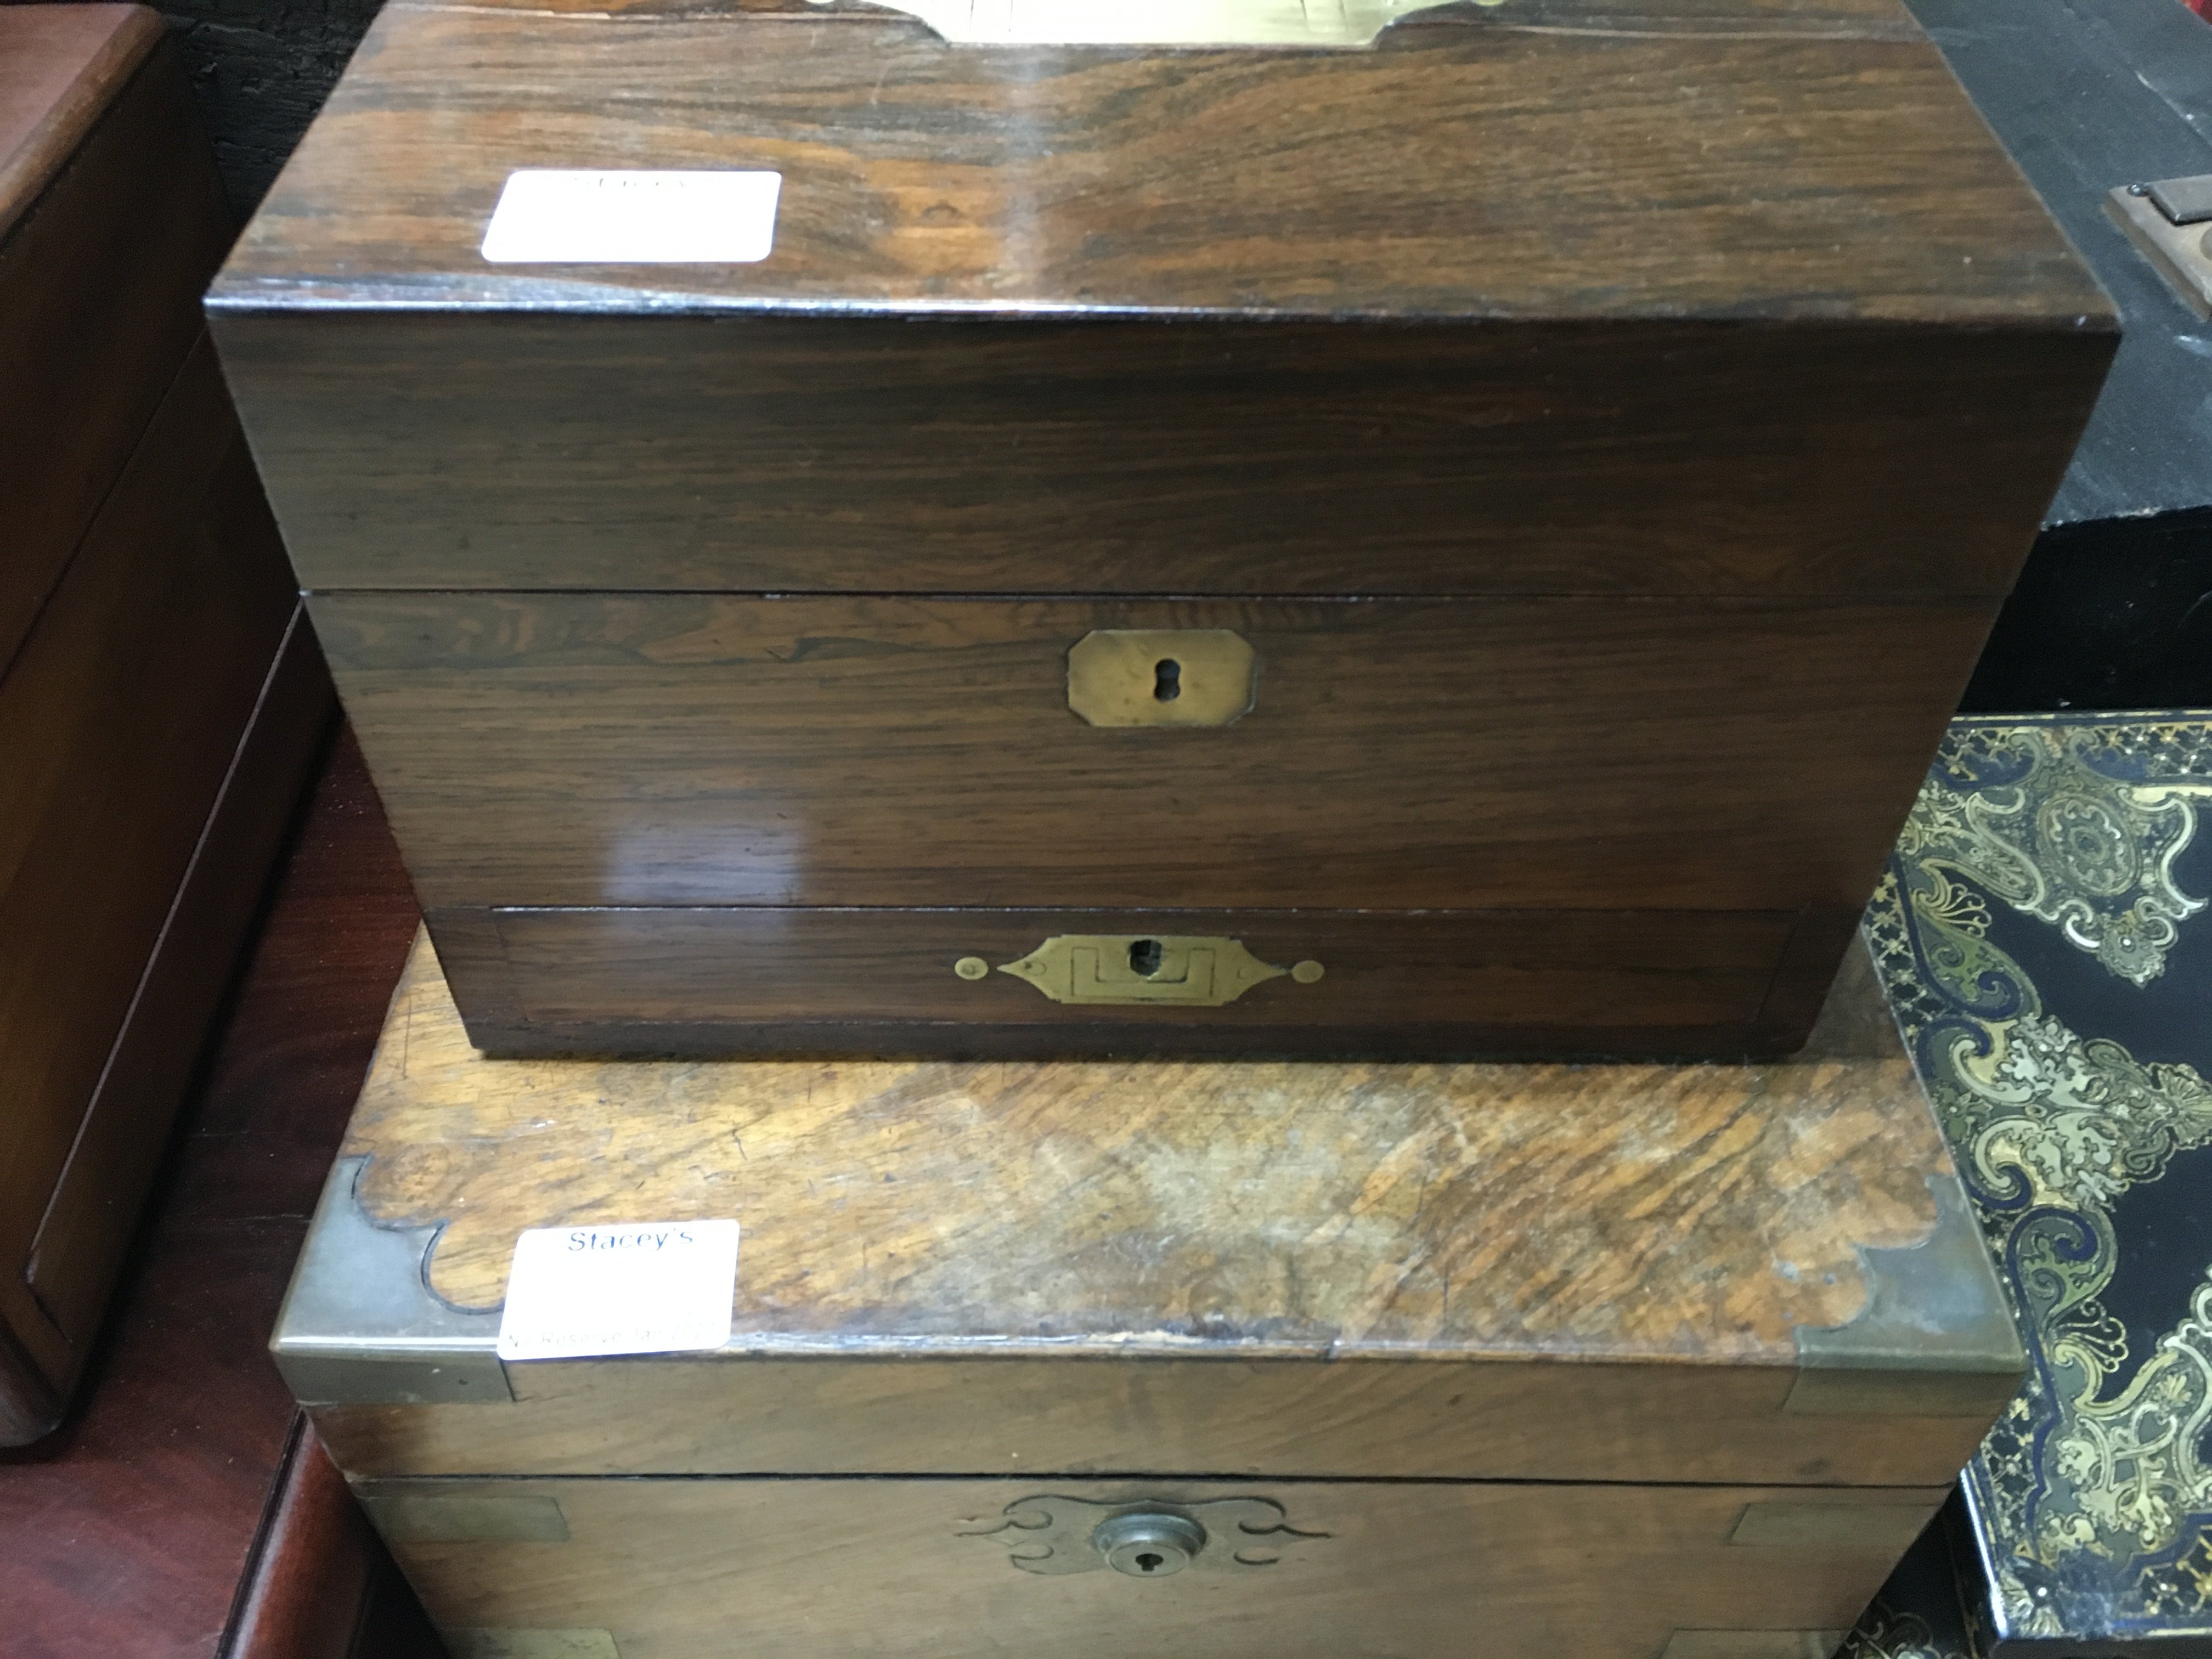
(1161, 22)
(1161, 676)
(1049, 1533)
(1173, 969)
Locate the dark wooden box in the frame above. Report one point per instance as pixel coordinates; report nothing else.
(1616, 1361)
(1578, 463)
(161, 696)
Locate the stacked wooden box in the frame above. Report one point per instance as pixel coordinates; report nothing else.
(1461, 546)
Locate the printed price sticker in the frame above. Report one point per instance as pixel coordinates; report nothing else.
(552, 216)
(641, 1287)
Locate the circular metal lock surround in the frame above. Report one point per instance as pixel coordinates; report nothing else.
(1151, 1544)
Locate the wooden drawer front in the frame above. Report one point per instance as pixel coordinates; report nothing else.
(661, 1568)
(922, 455)
(558, 750)
(755, 980)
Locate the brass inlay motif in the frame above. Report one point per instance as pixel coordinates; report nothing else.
(1161, 22)
(1147, 967)
(1052, 1533)
(1161, 676)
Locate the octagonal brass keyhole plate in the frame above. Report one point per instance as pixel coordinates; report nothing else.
(1162, 677)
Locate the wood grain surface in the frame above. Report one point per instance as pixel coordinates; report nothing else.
(85, 1230)
(1599, 1272)
(750, 980)
(1776, 294)
(60, 66)
(919, 455)
(583, 750)
(1661, 1421)
(120, 718)
(320, 1584)
(792, 1569)
(1539, 160)
(1698, 1212)
(124, 1533)
(100, 275)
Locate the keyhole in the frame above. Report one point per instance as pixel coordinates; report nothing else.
(1167, 679)
(1150, 1562)
(1145, 960)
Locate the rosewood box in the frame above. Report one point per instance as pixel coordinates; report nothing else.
(1400, 1362)
(1462, 541)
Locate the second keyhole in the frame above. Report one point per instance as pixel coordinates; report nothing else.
(1167, 679)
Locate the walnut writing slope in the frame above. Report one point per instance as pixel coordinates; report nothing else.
(1613, 1360)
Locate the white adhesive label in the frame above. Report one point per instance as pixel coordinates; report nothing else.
(642, 1287)
(550, 216)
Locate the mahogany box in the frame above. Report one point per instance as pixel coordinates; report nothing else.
(1174, 528)
(162, 700)
(1372, 1361)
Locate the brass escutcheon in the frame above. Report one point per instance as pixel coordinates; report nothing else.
(1161, 676)
(1171, 969)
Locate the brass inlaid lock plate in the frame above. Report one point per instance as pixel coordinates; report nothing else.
(1161, 676)
(1160, 22)
(1052, 1534)
(1172, 969)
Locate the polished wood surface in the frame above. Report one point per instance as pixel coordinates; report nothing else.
(121, 718)
(99, 276)
(1804, 160)
(1558, 754)
(1610, 818)
(60, 65)
(757, 980)
(320, 1584)
(791, 1570)
(1514, 1273)
(124, 1533)
(821, 453)
(85, 1229)
(158, 709)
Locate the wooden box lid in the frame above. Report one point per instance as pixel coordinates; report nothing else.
(1736, 159)
(1651, 1272)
